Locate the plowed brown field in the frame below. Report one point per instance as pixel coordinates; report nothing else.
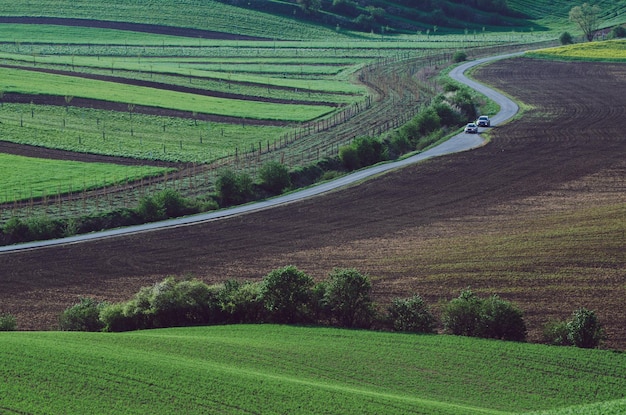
(537, 216)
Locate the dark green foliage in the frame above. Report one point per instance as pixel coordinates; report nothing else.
(169, 303)
(459, 56)
(83, 316)
(618, 32)
(447, 115)
(584, 330)
(233, 188)
(37, 228)
(347, 298)
(241, 302)
(287, 295)
(8, 322)
(566, 38)
(462, 315)
(349, 157)
(274, 177)
(469, 315)
(150, 210)
(500, 319)
(556, 333)
(411, 315)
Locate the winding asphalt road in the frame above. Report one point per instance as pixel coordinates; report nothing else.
(458, 143)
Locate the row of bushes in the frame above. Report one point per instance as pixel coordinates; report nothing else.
(290, 296)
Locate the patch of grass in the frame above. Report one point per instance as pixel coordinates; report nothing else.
(607, 51)
(277, 369)
(25, 177)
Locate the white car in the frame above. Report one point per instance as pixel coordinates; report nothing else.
(483, 121)
(471, 128)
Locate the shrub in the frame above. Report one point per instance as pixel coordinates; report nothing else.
(584, 330)
(8, 322)
(150, 210)
(233, 188)
(349, 157)
(274, 177)
(83, 316)
(500, 319)
(173, 204)
(459, 56)
(242, 303)
(469, 315)
(462, 315)
(556, 333)
(566, 38)
(347, 298)
(411, 314)
(16, 230)
(286, 294)
(115, 318)
(369, 150)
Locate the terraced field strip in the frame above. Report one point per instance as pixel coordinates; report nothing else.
(30, 82)
(26, 178)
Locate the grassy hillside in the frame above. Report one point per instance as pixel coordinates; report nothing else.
(282, 369)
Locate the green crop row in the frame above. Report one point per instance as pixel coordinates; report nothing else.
(282, 369)
(611, 50)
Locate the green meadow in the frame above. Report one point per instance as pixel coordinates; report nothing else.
(26, 178)
(281, 369)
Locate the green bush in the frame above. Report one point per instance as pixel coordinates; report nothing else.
(500, 319)
(83, 316)
(618, 32)
(242, 302)
(556, 333)
(461, 316)
(150, 210)
(566, 38)
(584, 330)
(274, 177)
(287, 295)
(369, 150)
(347, 298)
(37, 228)
(459, 56)
(349, 157)
(411, 315)
(233, 188)
(16, 230)
(469, 315)
(8, 322)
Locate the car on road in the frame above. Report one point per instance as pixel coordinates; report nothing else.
(483, 121)
(471, 128)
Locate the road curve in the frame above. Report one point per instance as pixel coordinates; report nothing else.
(458, 143)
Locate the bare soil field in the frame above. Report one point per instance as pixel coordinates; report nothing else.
(538, 216)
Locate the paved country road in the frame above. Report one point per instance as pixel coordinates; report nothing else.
(458, 143)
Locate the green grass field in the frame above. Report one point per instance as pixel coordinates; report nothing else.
(280, 369)
(26, 178)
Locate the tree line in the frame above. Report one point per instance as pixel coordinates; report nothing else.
(290, 296)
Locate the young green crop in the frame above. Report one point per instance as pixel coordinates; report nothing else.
(30, 82)
(282, 369)
(25, 177)
(610, 51)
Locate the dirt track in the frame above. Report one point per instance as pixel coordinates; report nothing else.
(566, 154)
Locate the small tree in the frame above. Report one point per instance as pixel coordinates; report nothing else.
(586, 17)
(286, 294)
(347, 298)
(459, 56)
(411, 314)
(618, 32)
(584, 330)
(500, 319)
